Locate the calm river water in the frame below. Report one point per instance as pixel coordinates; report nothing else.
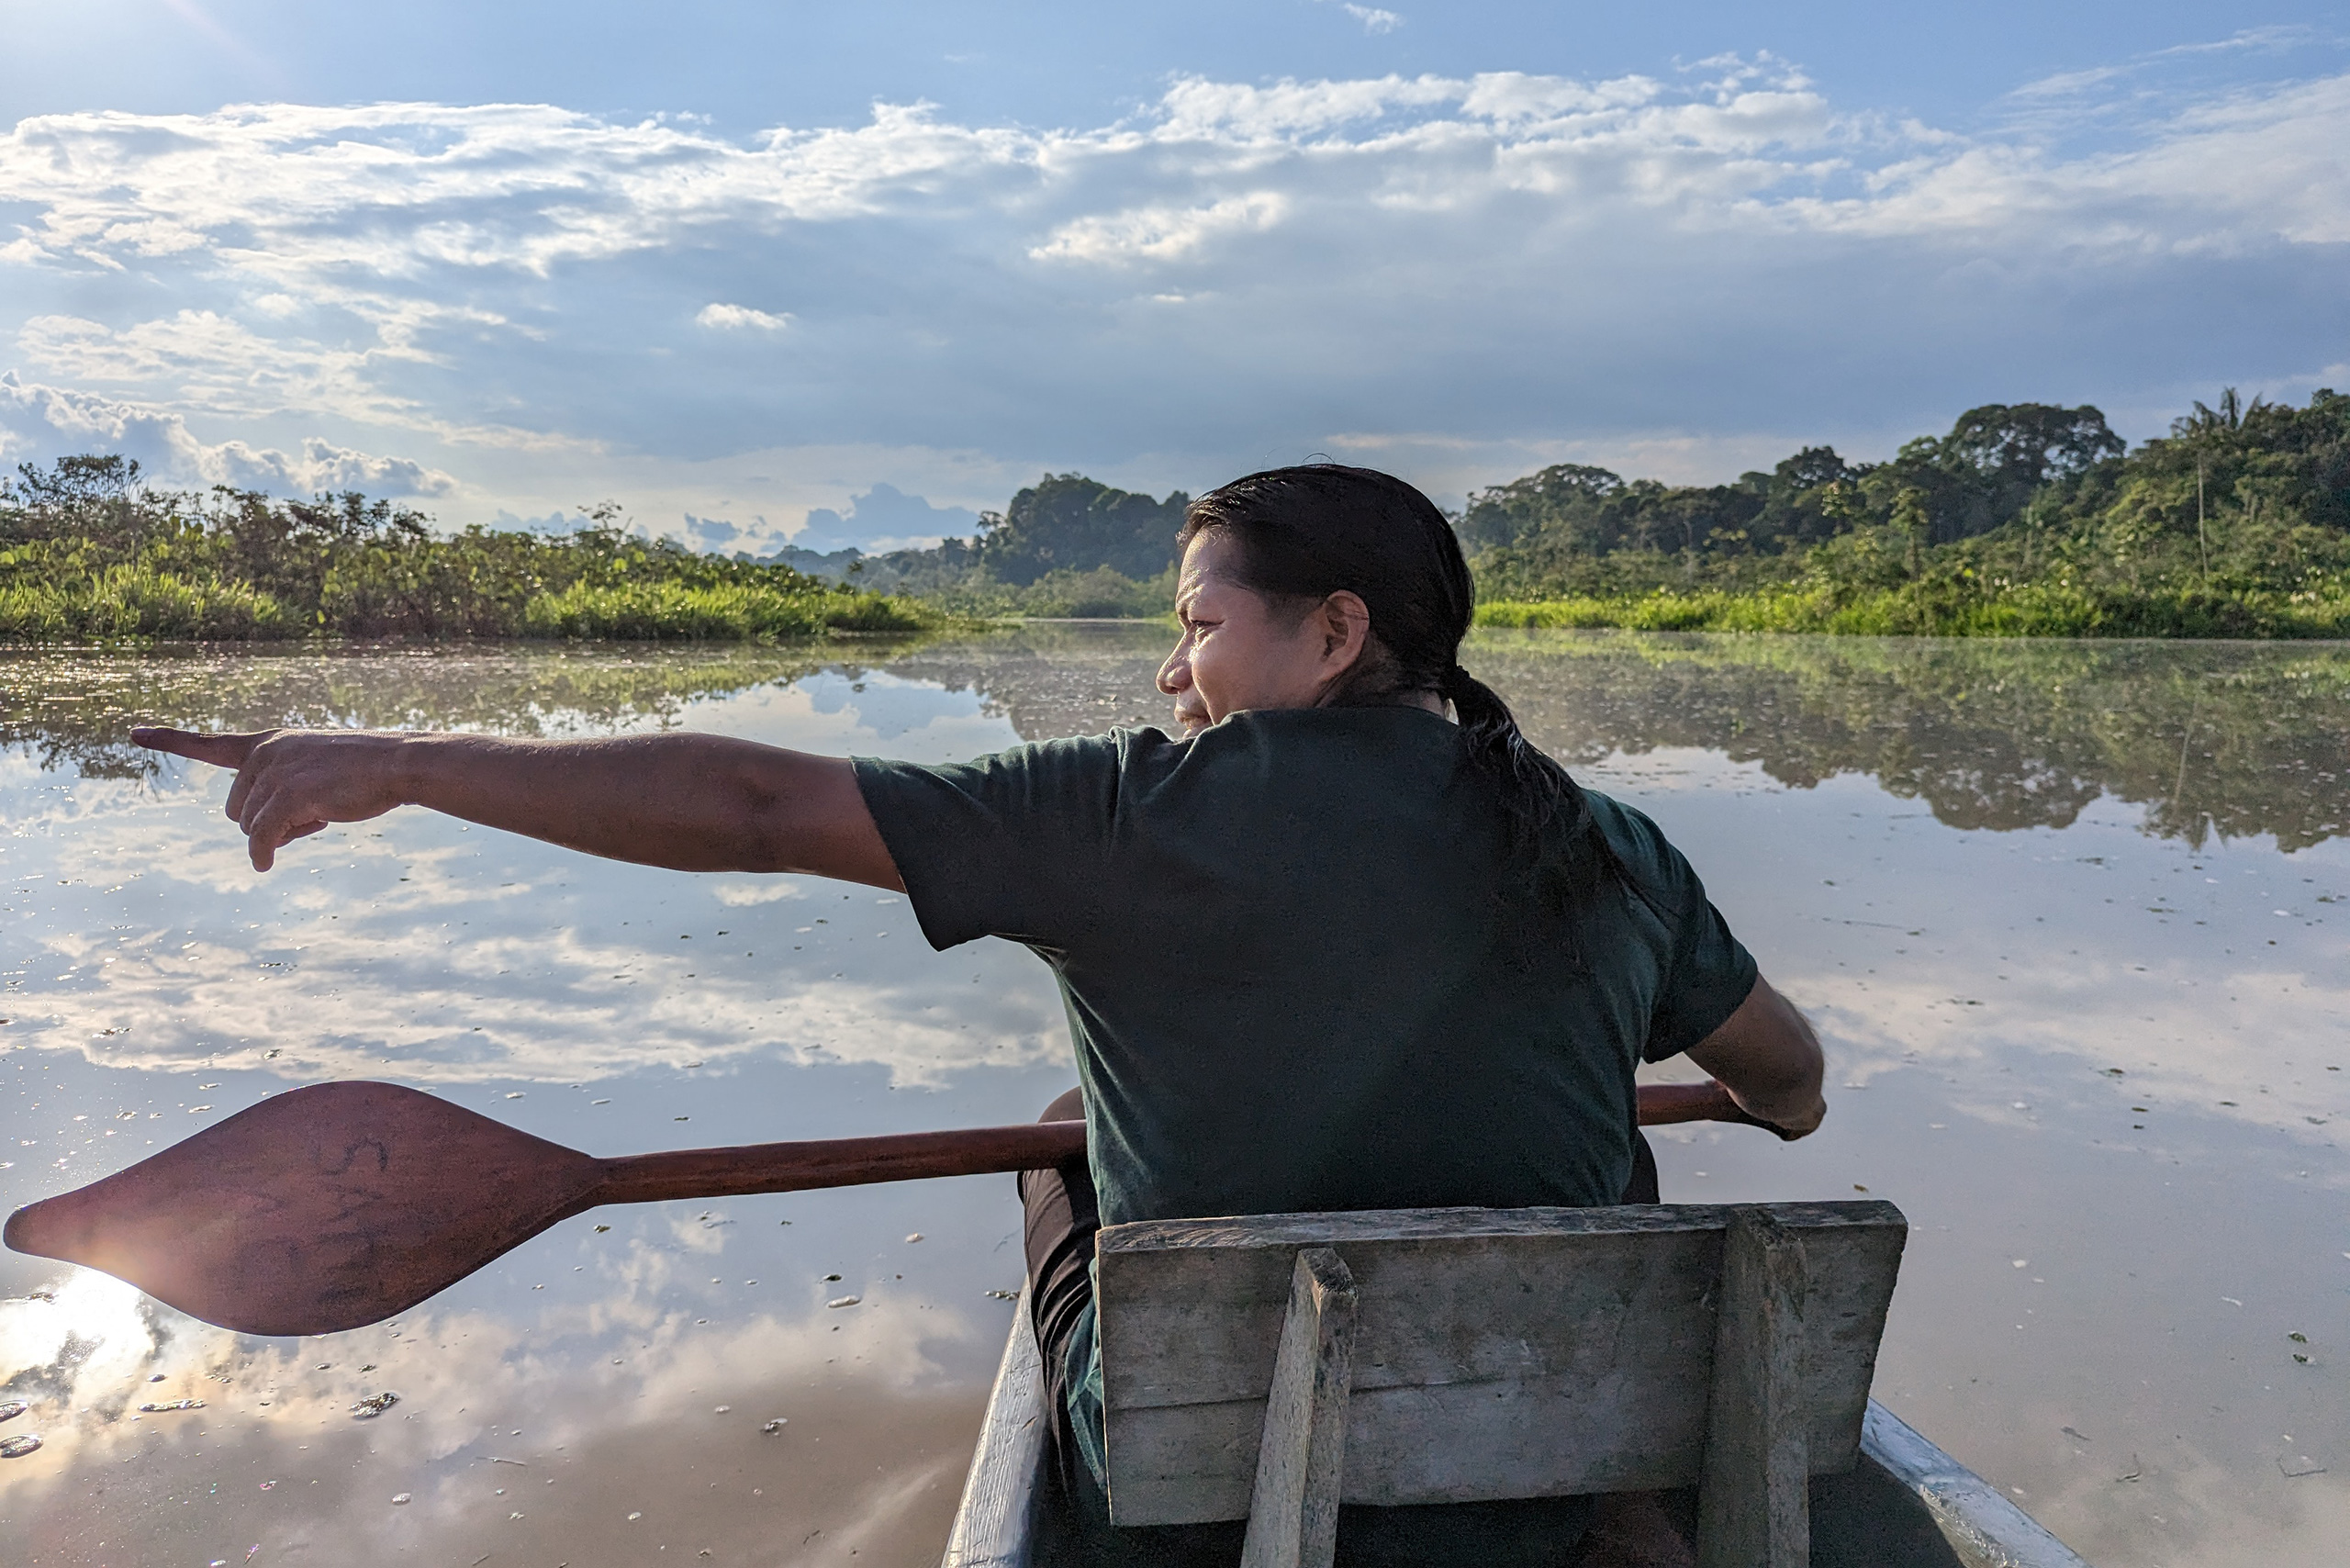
(2071, 919)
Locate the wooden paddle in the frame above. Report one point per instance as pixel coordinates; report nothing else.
(335, 1205)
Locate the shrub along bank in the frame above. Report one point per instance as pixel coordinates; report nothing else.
(88, 554)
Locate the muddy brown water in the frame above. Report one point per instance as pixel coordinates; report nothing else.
(2072, 918)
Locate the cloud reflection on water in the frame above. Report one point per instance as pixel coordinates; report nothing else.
(1982, 868)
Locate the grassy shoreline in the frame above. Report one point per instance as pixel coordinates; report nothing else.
(88, 555)
(2033, 611)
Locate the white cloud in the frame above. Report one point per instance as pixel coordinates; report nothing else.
(1509, 260)
(736, 318)
(1160, 233)
(345, 206)
(40, 422)
(1373, 19)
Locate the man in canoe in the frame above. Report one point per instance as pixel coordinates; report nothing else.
(1351, 942)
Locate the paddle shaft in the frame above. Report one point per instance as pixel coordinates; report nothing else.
(906, 1157)
(835, 1162)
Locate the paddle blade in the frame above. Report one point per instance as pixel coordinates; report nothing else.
(318, 1210)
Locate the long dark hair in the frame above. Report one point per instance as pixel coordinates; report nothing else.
(1308, 533)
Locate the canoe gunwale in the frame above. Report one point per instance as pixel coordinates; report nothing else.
(996, 1524)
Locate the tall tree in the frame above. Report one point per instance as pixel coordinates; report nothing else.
(1068, 522)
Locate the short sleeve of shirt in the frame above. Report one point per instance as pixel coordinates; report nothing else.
(1709, 972)
(1014, 844)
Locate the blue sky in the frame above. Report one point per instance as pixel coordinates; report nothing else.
(849, 273)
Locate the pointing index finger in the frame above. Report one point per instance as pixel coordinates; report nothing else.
(221, 751)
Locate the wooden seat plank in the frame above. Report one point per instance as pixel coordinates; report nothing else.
(1498, 1353)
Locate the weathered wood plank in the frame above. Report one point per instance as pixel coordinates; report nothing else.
(1752, 1495)
(1293, 1508)
(1498, 1353)
(994, 1525)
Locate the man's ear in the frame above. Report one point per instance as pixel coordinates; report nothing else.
(1345, 630)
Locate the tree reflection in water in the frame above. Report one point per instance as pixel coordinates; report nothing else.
(2235, 739)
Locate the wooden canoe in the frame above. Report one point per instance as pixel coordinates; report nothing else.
(1906, 1505)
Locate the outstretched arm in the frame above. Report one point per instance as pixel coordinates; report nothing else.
(1769, 1060)
(691, 802)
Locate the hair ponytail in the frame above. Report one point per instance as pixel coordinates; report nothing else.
(1308, 533)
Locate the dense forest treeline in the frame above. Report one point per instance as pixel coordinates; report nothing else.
(2024, 519)
(89, 554)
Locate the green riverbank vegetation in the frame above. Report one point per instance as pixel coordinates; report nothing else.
(88, 554)
(2024, 519)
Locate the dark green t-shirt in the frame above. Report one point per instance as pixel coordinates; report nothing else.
(1294, 977)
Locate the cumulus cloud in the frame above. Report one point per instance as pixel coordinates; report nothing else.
(1160, 233)
(884, 518)
(735, 318)
(39, 422)
(1509, 261)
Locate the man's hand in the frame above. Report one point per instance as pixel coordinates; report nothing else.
(291, 783)
(1768, 1059)
(691, 802)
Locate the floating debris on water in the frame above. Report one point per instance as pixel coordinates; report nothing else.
(399, 1498)
(170, 1405)
(845, 1301)
(635, 1516)
(17, 1446)
(778, 1424)
(12, 1409)
(915, 1236)
(601, 1228)
(2306, 1466)
(722, 1409)
(369, 1408)
(154, 1377)
(1004, 1295)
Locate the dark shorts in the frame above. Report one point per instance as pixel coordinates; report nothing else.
(1060, 1216)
